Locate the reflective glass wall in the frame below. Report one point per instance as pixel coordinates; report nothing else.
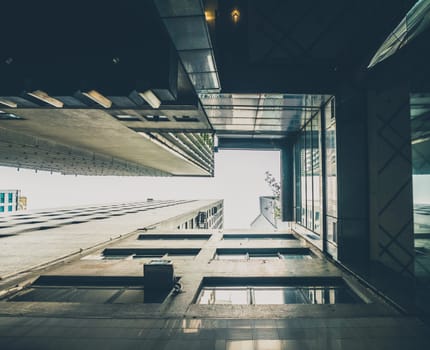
(330, 179)
(420, 137)
(315, 168)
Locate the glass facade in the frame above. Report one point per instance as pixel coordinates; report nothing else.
(330, 176)
(315, 165)
(420, 139)
(277, 295)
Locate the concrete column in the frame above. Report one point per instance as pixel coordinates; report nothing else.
(390, 173)
(287, 182)
(352, 178)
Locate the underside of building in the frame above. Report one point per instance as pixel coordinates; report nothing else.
(154, 88)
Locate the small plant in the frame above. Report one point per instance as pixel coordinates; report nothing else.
(275, 187)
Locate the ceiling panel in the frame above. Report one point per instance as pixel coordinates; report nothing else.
(261, 113)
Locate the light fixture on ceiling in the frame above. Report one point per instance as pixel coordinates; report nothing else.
(8, 103)
(151, 98)
(44, 97)
(98, 98)
(235, 15)
(209, 15)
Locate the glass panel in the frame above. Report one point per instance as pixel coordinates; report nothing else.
(256, 256)
(91, 295)
(188, 33)
(295, 256)
(329, 295)
(197, 61)
(331, 172)
(177, 256)
(298, 177)
(286, 295)
(420, 139)
(203, 81)
(115, 257)
(269, 296)
(316, 168)
(146, 256)
(130, 296)
(231, 256)
(309, 177)
(303, 178)
(224, 296)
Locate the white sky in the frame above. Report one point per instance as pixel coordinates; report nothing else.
(239, 180)
(421, 187)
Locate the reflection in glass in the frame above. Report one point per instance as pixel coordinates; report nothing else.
(231, 256)
(236, 296)
(278, 295)
(257, 256)
(308, 176)
(331, 172)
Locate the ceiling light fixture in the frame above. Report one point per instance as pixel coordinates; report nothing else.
(44, 97)
(151, 98)
(235, 15)
(8, 103)
(98, 98)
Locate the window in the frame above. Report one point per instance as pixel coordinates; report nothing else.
(89, 294)
(10, 197)
(9, 208)
(258, 236)
(149, 253)
(1, 197)
(236, 296)
(277, 295)
(1, 209)
(174, 236)
(127, 118)
(186, 118)
(262, 254)
(156, 118)
(90, 289)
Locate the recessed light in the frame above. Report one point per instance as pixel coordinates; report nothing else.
(44, 97)
(150, 98)
(8, 103)
(98, 98)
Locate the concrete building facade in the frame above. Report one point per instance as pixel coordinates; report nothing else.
(219, 289)
(340, 88)
(9, 201)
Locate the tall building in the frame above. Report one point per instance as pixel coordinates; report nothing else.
(9, 201)
(36, 239)
(200, 289)
(340, 88)
(269, 214)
